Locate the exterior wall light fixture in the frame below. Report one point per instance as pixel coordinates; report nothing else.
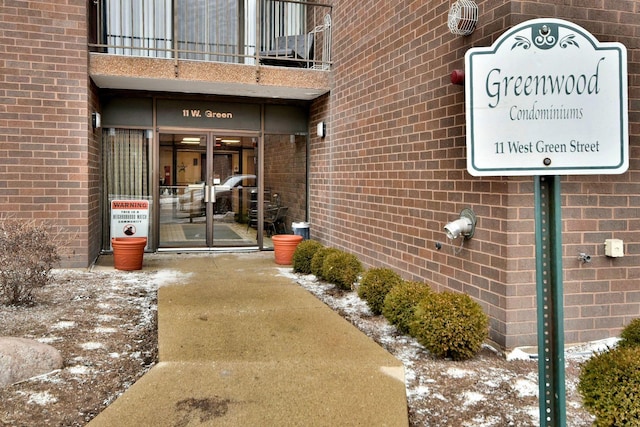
(463, 17)
(96, 120)
(463, 226)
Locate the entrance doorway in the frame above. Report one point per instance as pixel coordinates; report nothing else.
(163, 151)
(208, 187)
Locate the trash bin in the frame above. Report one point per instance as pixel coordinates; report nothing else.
(301, 229)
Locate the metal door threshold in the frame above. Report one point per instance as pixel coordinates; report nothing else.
(225, 249)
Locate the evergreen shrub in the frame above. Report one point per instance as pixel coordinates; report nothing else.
(631, 334)
(450, 325)
(400, 303)
(609, 383)
(303, 255)
(375, 285)
(318, 260)
(342, 269)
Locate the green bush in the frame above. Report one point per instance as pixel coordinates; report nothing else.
(400, 303)
(450, 325)
(303, 255)
(318, 260)
(631, 334)
(609, 383)
(375, 285)
(341, 269)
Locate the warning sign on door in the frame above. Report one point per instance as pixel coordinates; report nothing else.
(129, 218)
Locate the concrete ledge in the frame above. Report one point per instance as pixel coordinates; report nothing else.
(204, 77)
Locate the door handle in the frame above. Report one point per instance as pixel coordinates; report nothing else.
(209, 194)
(206, 190)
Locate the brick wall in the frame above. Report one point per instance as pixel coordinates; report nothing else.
(285, 173)
(45, 163)
(95, 180)
(392, 170)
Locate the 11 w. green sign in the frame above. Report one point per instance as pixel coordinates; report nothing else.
(547, 99)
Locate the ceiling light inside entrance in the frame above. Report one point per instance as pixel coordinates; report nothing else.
(190, 140)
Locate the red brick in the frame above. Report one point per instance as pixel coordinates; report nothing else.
(596, 207)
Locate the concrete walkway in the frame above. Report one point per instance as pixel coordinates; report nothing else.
(242, 345)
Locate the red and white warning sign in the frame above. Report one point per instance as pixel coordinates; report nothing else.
(129, 218)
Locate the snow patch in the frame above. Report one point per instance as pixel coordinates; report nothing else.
(589, 349)
(103, 330)
(439, 397)
(526, 388)
(91, 345)
(491, 383)
(42, 398)
(79, 370)
(169, 277)
(64, 324)
(580, 351)
(534, 413)
(471, 398)
(418, 392)
(48, 340)
(458, 373)
(518, 354)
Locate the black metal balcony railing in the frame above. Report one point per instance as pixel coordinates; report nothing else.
(270, 32)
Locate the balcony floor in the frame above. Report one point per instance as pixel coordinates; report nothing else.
(219, 78)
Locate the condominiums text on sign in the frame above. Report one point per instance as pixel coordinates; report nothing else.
(547, 99)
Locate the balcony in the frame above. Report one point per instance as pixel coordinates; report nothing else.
(255, 48)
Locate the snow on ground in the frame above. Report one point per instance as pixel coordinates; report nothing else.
(489, 390)
(502, 391)
(103, 324)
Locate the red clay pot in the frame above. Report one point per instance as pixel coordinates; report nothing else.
(128, 252)
(284, 245)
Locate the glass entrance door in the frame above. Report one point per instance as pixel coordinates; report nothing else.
(205, 188)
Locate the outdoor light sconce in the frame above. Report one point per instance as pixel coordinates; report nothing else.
(463, 17)
(321, 129)
(96, 120)
(463, 226)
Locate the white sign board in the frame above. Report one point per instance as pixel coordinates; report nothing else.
(547, 99)
(129, 218)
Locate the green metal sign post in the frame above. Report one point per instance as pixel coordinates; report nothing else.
(548, 222)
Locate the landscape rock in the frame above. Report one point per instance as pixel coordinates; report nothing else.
(22, 358)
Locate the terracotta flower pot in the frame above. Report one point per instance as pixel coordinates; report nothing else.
(284, 245)
(128, 252)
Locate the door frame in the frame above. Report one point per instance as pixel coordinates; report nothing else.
(210, 135)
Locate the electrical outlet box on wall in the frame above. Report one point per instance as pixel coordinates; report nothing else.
(614, 248)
